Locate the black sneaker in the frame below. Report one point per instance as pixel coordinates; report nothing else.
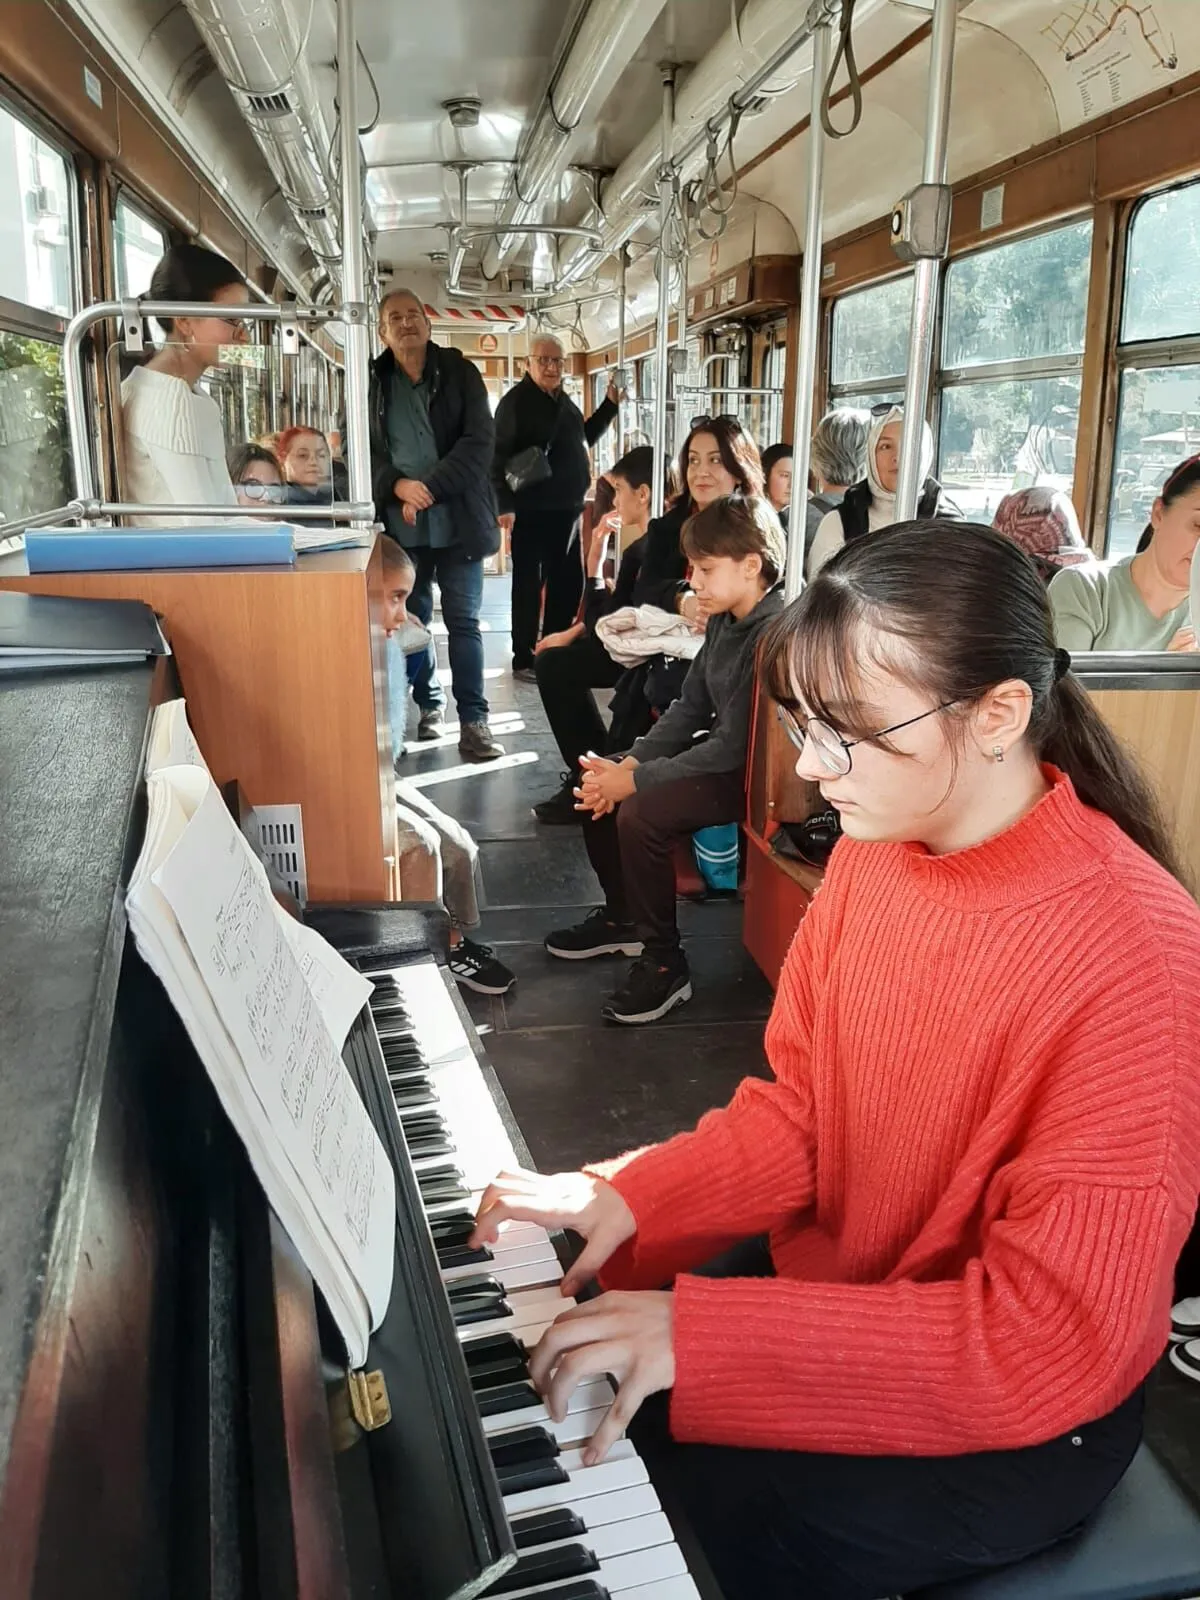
(525, 674)
(559, 808)
(596, 935)
(475, 966)
(431, 724)
(1185, 1358)
(651, 990)
(1185, 1320)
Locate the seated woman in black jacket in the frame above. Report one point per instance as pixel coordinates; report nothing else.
(718, 457)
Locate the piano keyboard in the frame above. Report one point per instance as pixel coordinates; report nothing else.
(582, 1533)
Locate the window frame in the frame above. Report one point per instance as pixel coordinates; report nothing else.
(836, 391)
(1134, 355)
(123, 194)
(71, 155)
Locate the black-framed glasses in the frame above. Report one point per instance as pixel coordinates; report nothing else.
(882, 407)
(833, 752)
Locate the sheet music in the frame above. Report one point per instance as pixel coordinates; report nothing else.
(240, 945)
(339, 990)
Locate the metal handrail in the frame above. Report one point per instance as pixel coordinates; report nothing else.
(89, 510)
(86, 487)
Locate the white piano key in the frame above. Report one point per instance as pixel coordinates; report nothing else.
(621, 1505)
(622, 1573)
(599, 1392)
(621, 1469)
(576, 1428)
(529, 1275)
(681, 1588)
(618, 1538)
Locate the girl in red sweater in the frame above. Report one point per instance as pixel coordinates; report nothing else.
(979, 1155)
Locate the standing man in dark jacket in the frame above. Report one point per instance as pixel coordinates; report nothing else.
(543, 518)
(431, 451)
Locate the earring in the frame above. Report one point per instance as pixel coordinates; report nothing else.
(998, 752)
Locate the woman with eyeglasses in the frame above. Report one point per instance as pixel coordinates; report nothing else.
(257, 479)
(174, 443)
(905, 1293)
(870, 505)
(304, 456)
(541, 474)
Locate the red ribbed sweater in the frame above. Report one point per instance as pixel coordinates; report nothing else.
(977, 1162)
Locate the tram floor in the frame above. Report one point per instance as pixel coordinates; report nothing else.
(579, 1088)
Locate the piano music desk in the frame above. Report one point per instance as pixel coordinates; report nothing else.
(285, 677)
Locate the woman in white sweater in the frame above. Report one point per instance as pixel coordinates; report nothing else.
(174, 445)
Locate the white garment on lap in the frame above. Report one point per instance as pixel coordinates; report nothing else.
(635, 633)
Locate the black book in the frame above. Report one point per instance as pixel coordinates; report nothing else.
(44, 630)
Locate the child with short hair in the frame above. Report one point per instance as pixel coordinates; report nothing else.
(439, 860)
(674, 781)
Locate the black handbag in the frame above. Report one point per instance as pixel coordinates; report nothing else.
(532, 465)
(527, 467)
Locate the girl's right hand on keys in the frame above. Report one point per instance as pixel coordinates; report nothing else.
(576, 1200)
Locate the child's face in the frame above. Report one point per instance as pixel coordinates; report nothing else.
(631, 505)
(725, 582)
(396, 589)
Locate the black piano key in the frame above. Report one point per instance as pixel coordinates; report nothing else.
(467, 1312)
(545, 1527)
(515, 1396)
(458, 1255)
(502, 1370)
(530, 1475)
(545, 1566)
(444, 1194)
(490, 1345)
(517, 1445)
(414, 1096)
(478, 1283)
(454, 1227)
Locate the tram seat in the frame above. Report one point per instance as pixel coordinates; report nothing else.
(1143, 1544)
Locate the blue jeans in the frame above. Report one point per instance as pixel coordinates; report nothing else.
(461, 583)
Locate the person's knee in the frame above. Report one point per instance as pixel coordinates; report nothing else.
(631, 818)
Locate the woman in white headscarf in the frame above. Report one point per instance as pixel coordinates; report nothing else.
(870, 505)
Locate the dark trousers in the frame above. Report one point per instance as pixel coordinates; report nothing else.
(631, 849)
(545, 552)
(782, 1524)
(566, 677)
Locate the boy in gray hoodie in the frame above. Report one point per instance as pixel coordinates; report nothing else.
(687, 773)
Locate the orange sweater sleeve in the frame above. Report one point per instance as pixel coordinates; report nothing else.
(1067, 1295)
(744, 1168)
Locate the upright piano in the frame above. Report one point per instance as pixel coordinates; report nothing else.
(174, 1418)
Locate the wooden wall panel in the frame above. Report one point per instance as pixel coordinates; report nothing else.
(1162, 729)
(44, 60)
(1058, 184)
(151, 164)
(1158, 147)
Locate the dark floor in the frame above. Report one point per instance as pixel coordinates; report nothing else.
(580, 1088)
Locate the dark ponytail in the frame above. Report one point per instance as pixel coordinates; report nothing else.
(973, 610)
(189, 272)
(1105, 776)
(1182, 480)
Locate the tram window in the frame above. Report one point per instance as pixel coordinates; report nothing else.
(1158, 414)
(869, 343)
(139, 245)
(1162, 273)
(37, 257)
(1011, 354)
(35, 461)
(1019, 301)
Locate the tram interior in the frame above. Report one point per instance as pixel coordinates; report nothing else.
(633, 179)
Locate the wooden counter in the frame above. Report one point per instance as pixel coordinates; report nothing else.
(285, 677)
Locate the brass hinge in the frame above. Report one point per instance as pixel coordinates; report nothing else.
(369, 1400)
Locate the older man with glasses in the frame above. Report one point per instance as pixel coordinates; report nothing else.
(431, 450)
(541, 474)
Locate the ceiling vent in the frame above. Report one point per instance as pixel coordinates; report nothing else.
(269, 105)
(463, 111)
(310, 213)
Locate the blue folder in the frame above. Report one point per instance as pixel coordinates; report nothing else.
(140, 549)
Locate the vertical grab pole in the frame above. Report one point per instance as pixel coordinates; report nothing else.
(354, 295)
(927, 272)
(681, 335)
(810, 319)
(622, 268)
(662, 352)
